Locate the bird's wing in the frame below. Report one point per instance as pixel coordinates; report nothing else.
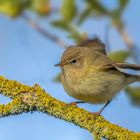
(103, 62)
(95, 44)
(126, 65)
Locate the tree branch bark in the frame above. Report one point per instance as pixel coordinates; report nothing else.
(126, 38)
(26, 98)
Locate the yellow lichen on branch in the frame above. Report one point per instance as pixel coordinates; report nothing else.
(26, 98)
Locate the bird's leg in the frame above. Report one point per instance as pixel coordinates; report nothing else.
(101, 110)
(75, 103)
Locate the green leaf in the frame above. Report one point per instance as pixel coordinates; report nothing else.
(42, 7)
(134, 95)
(68, 10)
(57, 78)
(61, 24)
(116, 14)
(12, 8)
(119, 55)
(77, 35)
(123, 4)
(98, 7)
(85, 14)
(70, 28)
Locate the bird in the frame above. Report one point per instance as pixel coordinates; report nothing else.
(90, 76)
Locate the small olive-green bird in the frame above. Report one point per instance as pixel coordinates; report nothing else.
(90, 76)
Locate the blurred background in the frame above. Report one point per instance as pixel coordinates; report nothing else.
(33, 36)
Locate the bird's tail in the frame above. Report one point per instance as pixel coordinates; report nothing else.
(132, 78)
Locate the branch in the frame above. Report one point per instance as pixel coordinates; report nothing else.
(127, 39)
(44, 32)
(26, 98)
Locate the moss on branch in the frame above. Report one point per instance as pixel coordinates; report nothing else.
(26, 98)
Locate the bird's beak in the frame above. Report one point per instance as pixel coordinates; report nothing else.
(57, 65)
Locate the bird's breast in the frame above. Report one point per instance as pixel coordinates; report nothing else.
(95, 88)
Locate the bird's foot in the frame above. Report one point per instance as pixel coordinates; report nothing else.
(72, 104)
(96, 113)
(75, 103)
(101, 110)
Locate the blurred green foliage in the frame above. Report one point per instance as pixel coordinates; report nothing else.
(134, 95)
(42, 7)
(57, 78)
(70, 19)
(68, 10)
(14, 8)
(70, 14)
(120, 56)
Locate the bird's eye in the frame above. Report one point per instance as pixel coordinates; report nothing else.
(74, 61)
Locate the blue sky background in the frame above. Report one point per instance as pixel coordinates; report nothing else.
(28, 57)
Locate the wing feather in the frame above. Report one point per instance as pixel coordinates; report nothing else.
(106, 63)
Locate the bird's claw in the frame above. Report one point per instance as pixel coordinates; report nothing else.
(72, 104)
(96, 113)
